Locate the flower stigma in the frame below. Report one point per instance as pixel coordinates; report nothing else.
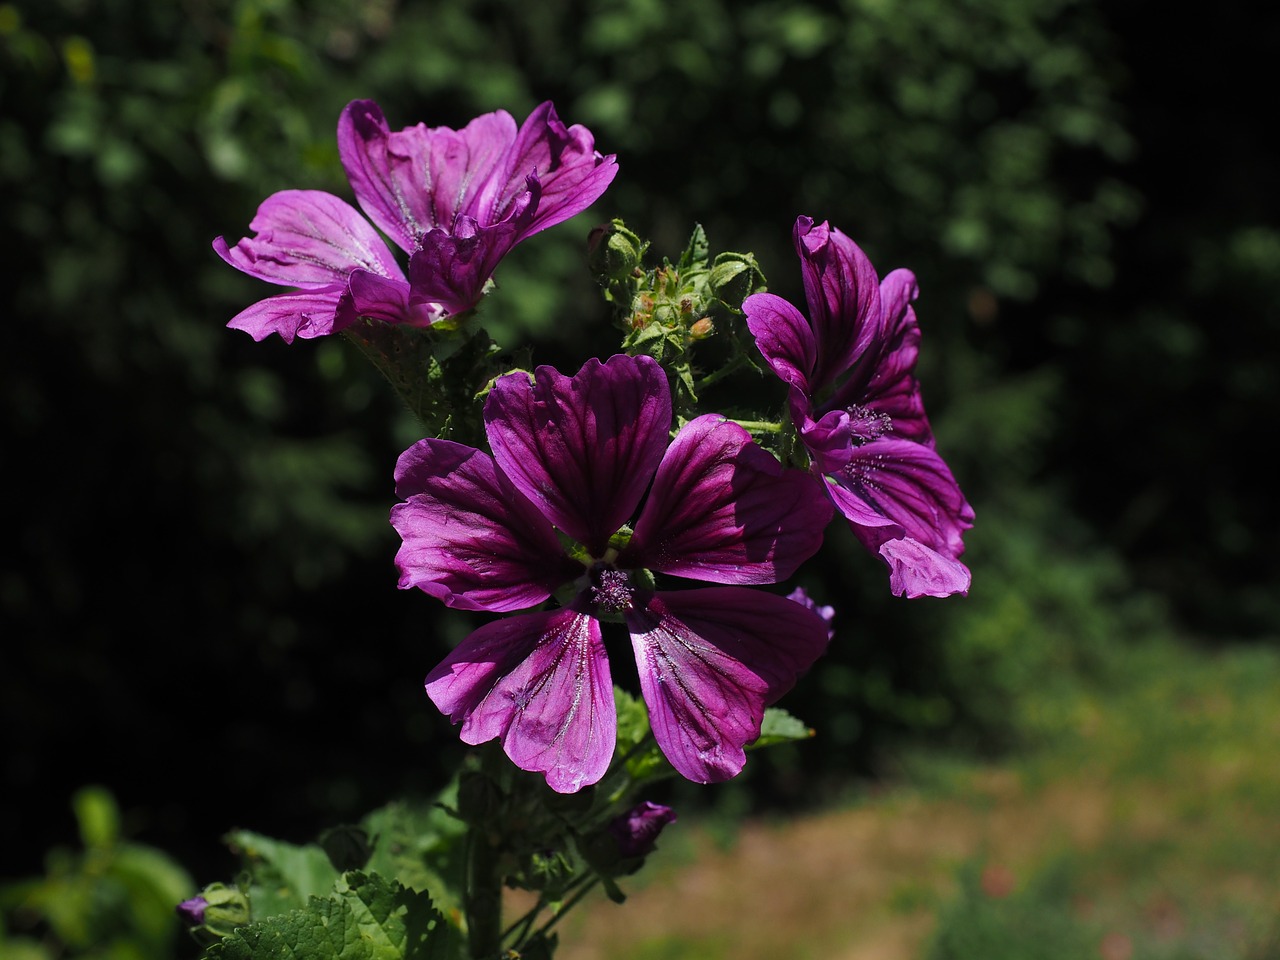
(867, 424)
(611, 590)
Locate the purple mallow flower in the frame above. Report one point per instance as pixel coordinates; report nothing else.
(546, 515)
(856, 403)
(455, 201)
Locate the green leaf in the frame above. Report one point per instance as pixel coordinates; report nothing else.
(281, 876)
(779, 726)
(98, 817)
(695, 254)
(423, 846)
(367, 918)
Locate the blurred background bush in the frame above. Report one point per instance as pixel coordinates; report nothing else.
(197, 595)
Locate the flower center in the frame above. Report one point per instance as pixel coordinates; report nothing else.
(611, 590)
(866, 424)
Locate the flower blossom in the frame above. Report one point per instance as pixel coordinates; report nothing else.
(455, 201)
(856, 403)
(546, 515)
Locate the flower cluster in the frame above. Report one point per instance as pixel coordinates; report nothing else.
(596, 506)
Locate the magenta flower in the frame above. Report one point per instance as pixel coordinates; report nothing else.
(546, 515)
(455, 201)
(856, 403)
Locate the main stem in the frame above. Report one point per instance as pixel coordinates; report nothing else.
(483, 904)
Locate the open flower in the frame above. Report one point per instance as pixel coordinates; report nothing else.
(856, 403)
(546, 515)
(455, 201)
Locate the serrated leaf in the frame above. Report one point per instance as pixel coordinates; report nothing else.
(366, 918)
(779, 726)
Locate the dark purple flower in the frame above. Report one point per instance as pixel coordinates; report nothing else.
(191, 912)
(546, 515)
(856, 403)
(455, 201)
(636, 831)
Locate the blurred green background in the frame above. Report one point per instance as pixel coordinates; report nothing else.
(197, 594)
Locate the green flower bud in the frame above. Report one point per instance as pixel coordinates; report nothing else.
(215, 912)
(614, 252)
(734, 277)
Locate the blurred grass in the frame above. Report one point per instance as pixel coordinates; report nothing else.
(1143, 827)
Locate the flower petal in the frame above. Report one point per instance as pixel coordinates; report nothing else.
(540, 682)
(419, 178)
(917, 571)
(783, 337)
(892, 489)
(828, 613)
(303, 313)
(308, 239)
(883, 379)
(724, 510)
(564, 159)
(710, 661)
(383, 298)
(843, 296)
(582, 448)
(469, 538)
(451, 269)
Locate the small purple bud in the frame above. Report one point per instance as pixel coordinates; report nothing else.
(636, 831)
(191, 912)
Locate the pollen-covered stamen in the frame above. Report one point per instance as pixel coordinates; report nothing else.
(611, 590)
(866, 424)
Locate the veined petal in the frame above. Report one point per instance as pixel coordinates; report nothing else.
(539, 682)
(710, 661)
(722, 509)
(469, 537)
(303, 313)
(843, 296)
(918, 571)
(582, 448)
(420, 178)
(383, 298)
(450, 269)
(911, 487)
(564, 159)
(783, 337)
(308, 239)
(883, 380)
